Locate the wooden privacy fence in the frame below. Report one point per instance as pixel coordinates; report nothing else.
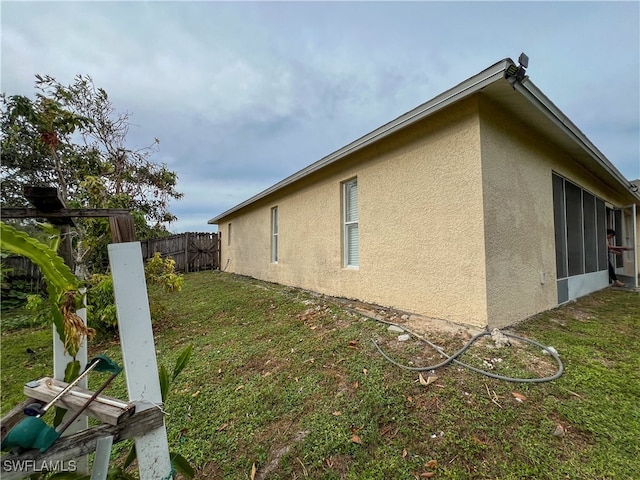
(191, 251)
(21, 268)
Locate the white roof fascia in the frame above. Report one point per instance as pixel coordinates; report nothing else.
(546, 106)
(455, 94)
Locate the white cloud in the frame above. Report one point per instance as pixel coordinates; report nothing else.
(243, 94)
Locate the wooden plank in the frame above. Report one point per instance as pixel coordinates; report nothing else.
(122, 227)
(18, 465)
(108, 410)
(44, 198)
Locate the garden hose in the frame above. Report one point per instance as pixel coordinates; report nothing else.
(453, 358)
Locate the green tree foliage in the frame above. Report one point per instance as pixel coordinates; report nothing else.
(71, 137)
(62, 286)
(103, 317)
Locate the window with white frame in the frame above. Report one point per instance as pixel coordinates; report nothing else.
(351, 242)
(274, 234)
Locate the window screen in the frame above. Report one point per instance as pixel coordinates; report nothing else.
(575, 247)
(560, 226)
(580, 229)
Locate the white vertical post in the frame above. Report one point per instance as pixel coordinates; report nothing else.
(60, 361)
(101, 459)
(139, 354)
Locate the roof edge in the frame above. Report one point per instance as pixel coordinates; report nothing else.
(454, 94)
(528, 89)
(466, 88)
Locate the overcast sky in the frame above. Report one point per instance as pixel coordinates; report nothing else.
(243, 94)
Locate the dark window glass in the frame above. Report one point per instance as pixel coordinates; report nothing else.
(575, 247)
(560, 226)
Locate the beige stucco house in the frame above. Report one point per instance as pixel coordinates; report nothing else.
(483, 206)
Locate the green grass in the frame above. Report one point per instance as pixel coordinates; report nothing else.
(290, 382)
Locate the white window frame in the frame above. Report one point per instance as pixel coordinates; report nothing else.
(274, 235)
(350, 223)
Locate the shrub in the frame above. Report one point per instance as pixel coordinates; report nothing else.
(102, 306)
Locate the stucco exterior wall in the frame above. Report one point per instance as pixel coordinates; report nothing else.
(455, 220)
(519, 223)
(421, 225)
(517, 168)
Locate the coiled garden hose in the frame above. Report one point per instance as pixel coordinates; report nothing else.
(453, 358)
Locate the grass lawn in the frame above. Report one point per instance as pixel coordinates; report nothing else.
(284, 384)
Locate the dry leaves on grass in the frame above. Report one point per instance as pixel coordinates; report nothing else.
(430, 465)
(518, 396)
(429, 380)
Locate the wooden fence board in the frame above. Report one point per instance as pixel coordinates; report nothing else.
(191, 251)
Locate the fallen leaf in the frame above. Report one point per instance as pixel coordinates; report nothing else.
(404, 453)
(431, 464)
(353, 343)
(254, 470)
(428, 474)
(222, 427)
(356, 439)
(266, 374)
(518, 396)
(239, 387)
(365, 371)
(337, 413)
(196, 394)
(410, 399)
(356, 385)
(430, 379)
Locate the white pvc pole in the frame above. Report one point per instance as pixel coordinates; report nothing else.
(139, 354)
(60, 360)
